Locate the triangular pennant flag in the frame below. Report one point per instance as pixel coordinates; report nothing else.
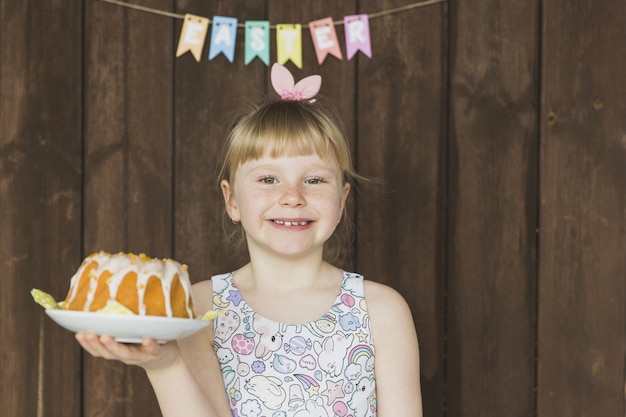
(257, 41)
(223, 37)
(192, 36)
(325, 39)
(289, 43)
(357, 29)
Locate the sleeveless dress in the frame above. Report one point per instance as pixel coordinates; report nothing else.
(324, 368)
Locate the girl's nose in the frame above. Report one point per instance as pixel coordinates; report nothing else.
(292, 196)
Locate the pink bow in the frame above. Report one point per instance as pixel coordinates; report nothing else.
(287, 89)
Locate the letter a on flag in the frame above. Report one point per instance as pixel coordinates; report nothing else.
(223, 36)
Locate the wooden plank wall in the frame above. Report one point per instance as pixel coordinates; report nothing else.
(498, 130)
(582, 274)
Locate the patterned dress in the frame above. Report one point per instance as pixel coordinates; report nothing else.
(324, 368)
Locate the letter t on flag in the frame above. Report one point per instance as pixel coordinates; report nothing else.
(357, 29)
(192, 36)
(289, 44)
(324, 39)
(223, 36)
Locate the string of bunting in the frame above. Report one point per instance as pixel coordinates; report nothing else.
(288, 35)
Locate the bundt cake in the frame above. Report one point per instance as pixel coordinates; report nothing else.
(146, 286)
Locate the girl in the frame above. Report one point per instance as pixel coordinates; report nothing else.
(300, 337)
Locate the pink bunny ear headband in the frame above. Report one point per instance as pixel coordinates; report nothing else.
(289, 90)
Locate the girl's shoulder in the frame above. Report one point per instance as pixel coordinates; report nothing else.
(379, 292)
(384, 302)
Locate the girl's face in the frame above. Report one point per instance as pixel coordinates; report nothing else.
(287, 205)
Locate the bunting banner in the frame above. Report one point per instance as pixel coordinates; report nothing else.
(324, 39)
(223, 37)
(257, 41)
(357, 30)
(357, 37)
(192, 36)
(289, 44)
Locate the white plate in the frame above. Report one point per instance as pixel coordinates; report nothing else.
(127, 328)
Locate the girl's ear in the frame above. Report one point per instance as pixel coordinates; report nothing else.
(344, 196)
(229, 201)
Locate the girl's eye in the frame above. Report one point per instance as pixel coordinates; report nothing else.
(315, 181)
(268, 180)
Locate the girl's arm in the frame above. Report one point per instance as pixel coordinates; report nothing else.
(173, 383)
(197, 350)
(397, 371)
(178, 391)
(185, 375)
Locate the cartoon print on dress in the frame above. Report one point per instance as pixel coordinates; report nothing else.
(333, 391)
(332, 352)
(360, 358)
(310, 385)
(258, 367)
(243, 369)
(229, 375)
(234, 392)
(296, 397)
(351, 285)
(242, 343)
(298, 345)
(224, 355)
(219, 303)
(270, 338)
(268, 389)
(325, 324)
(319, 327)
(297, 358)
(251, 408)
(313, 408)
(235, 297)
(308, 362)
(362, 400)
(283, 364)
(341, 409)
(225, 325)
(347, 299)
(349, 322)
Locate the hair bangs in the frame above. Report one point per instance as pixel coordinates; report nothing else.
(277, 138)
(281, 129)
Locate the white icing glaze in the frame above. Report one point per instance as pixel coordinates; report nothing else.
(121, 264)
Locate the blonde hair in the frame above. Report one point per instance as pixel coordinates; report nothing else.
(292, 128)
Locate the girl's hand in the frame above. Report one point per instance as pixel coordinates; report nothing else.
(149, 355)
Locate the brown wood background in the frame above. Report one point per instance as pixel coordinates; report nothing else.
(498, 127)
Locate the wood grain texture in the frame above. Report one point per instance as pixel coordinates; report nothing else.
(401, 141)
(488, 122)
(40, 162)
(128, 167)
(492, 208)
(582, 271)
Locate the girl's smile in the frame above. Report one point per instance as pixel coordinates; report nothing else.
(291, 223)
